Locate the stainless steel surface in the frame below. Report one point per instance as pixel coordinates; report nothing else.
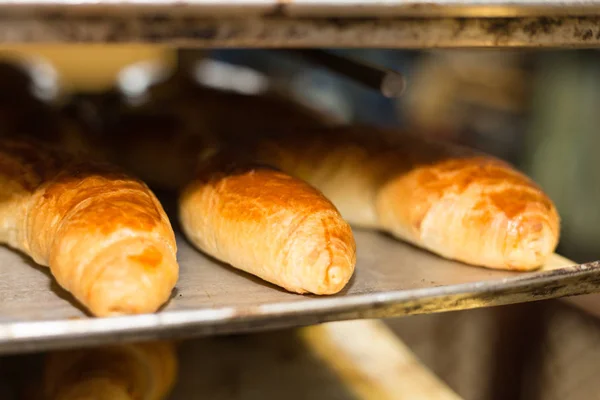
(392, 279)
(271, 32)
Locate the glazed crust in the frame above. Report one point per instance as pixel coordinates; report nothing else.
(103, 234)
(252, 217)
(270, 225)
(453, 201)
(141, 371)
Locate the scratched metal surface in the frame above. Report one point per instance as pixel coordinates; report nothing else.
(313, 8)
(254, 31)
(392, 279)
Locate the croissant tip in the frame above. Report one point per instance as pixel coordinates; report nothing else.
(140, 284)
(536, 242)
(325, 245)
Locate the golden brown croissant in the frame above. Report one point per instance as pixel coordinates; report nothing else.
(142, 371)
(292, 236)
(270, 225)
(103, 234)
(452, 201)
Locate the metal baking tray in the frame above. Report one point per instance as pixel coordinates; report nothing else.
(312, 8)
(392, 279)
(305, 23)
(168, 27)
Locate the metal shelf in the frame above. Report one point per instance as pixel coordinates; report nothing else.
(255, 31)
(312, 8)
(392, 279)
(305, 23)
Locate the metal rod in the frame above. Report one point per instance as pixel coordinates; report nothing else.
(388, 82)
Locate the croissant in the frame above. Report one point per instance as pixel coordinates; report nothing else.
(103, 234)
(450, 200)
(271, 225)
(142, 371)
(252, 217)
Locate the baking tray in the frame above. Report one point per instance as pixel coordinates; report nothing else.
(189, 30)
(312, 8)
(305, 23)
(392, 279)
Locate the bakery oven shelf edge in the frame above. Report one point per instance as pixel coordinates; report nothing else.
(176, 30)
(392, 279)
